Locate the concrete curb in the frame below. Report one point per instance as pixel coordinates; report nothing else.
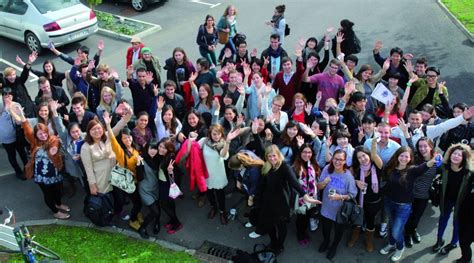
(154, 28)
(456, 21)
(113, 230)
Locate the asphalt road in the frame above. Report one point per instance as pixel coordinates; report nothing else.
(418, 27)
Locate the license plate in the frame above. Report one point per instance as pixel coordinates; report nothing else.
(78, 34)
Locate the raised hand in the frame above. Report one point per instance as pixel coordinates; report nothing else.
(329, 30)
(266, 61)
(160, 103)
(240, 120)
(241, 89)
(216, 104)
(325, 116)
(299, 141)
(32, 57)
(408, 66)
(298, 52)
(253, 53)
(386, 64)
(360, 134)
(107, 118)
(328, 141)
(468, 113)
(193, 77)
(170, 168)
(91, 65)
(402, 125)
(77, 61)
(255, 126)
(155, 89)
(349, 87)
(19, 60)
(302, 42)
(308, 108)
(339, 37)
(319, 95)
(307, 130)
(441, 86)
(413, 78)
(268, 134)
(233, 134)
(114, 74)
(149, 77)
(100, 45)
(378, 46)
(53, 106)
(310, 64)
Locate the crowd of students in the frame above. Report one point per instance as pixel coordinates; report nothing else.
(296, 136)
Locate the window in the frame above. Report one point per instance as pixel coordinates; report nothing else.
(45, 6)
(17, 7)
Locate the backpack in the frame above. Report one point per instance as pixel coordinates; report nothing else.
(99, 209)
(357, 47)
(238, 38)
(287, 30)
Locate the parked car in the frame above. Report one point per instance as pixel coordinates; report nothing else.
(37, 22)
(140, 5)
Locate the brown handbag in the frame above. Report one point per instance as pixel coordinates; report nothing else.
(223, 37)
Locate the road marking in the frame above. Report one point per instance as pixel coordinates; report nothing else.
(34, 77)
(204, 3)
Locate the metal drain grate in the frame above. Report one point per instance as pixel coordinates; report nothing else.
(217, 250)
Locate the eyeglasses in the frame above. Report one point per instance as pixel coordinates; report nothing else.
(339, 160)
(431, 76)
(277, 105)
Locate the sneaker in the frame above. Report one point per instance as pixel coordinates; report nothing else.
(124, 215)
(134, 224)
(248, 225)
(313, 224)
(397, 255)
(383, 230)
(254, 235)
(168, 226)
(387, 249)
(174, 229)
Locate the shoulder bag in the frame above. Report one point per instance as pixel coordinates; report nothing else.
(122, 178)
(350, 213)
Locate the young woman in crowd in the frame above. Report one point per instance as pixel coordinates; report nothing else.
(193, 123)
(400, 175)
(179, 68)
(301, 109)
(338, 185)
(167, 125)
(272, 197)
(45, 163)
(142, 134)
(257, 65)
(215, 148)
(455, 178)
(342, 139)
(207, 40)
(367, 171)
(276, 118)
(307, 172)
(127, 157)
(310, 54)
(228, 24)
(278, 22)
(8, 137)
(203, 100)
(288, 142)
(44, 117)
(109, 100)
(258, 94)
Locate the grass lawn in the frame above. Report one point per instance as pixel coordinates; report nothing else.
(76, 244)
(463, 10)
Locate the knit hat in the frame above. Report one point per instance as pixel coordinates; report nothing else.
(146, 50)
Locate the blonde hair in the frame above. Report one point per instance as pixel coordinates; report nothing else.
(103, 67)
(331, 102)
(102, 103)
(8, 71)
(247, 161)
(226, 11)
(267, 166)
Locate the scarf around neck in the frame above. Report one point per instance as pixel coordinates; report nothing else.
(276, 20)
(375, 182)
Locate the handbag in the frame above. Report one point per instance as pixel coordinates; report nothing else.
(350, 213)
(435, 191)
(122, 178)
(174, 188)
(287, 30)
(223, 37)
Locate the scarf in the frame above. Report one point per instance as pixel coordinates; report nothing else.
(275, 53)
(375, 182)
(307, 182)
(276, 20)
(217, 146)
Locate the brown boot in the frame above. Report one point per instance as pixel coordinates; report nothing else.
(354, 237)
(369, 240)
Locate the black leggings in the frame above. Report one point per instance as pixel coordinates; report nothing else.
(302, 223)
(327, 225)
(466, 236)
(153, 215)
(169, 208)
(119, 202)
(417, 209)
(12, 149)
(216, 198)
(370, 211)
(277, 234)
(52, 195)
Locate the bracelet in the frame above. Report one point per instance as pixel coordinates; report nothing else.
(408, 84)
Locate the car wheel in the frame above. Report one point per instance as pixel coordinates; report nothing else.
(33, 43)
(139, 5)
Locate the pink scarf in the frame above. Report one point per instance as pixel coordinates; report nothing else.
(375, 182)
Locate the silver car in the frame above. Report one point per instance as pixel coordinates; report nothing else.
(37, 22)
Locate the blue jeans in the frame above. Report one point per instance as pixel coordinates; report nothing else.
(398, 214)
(443, 222)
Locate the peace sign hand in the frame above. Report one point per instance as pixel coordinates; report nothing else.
(171, 167)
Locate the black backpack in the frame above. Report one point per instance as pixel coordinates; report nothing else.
(261, 254)
(287, 30)
(99, 209)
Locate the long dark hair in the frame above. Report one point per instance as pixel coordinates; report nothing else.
(363, 68)
(126, 131)
(331, 167)
(299, 165)
(53, 72)
(165, 160)
(419, 157)
(355, 160)
(90, 125)
(285, 139)
(393, 163)
(226, 123)
(173, 124)
(151, 161)
(185, 57)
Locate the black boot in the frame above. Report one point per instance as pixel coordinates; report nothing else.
(332, 252)
(439, 244)
(156, 228)
(324, 246)
(143, 233)
(415, 236)
(408, 241)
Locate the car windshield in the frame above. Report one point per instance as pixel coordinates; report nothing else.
(45, 6)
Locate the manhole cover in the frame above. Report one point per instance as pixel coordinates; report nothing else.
(217, 250)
